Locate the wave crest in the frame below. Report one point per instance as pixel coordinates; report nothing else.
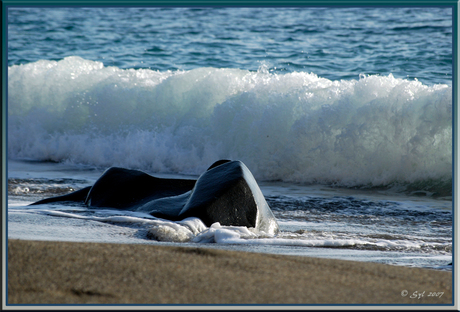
(373, 131)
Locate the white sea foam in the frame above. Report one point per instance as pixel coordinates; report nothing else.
(158, 229)
(242, 235)
(217, 233)
(297, 126)
(194, 231)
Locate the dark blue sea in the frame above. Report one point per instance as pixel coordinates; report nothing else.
(343, 115)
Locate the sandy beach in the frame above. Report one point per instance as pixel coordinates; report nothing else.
(45, 272)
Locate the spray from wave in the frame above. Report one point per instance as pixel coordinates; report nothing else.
(297, 127)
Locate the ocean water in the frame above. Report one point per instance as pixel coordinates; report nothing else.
(343, 115)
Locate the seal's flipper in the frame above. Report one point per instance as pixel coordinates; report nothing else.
(77, 196)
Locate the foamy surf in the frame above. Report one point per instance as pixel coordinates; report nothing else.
(193, 230)
(297, 127)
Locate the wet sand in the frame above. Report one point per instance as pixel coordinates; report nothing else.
(43, 272)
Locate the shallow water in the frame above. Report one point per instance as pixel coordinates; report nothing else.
(314, 220)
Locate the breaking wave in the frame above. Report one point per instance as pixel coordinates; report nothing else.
(297, 127)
